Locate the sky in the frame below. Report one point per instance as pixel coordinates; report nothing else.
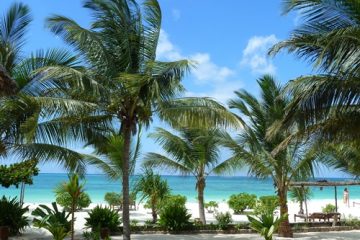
(228, 40)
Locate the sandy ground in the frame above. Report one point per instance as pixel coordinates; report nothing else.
(141, 215)
(350, 235)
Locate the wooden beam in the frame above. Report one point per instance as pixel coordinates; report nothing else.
(324, 184)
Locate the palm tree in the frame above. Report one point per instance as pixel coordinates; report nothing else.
(29, 101)
(193, 152)
(327, 103)
(155, 189)
(75, 189)
(119, 50)
(254, 149)
(107, 156)
(300, 195)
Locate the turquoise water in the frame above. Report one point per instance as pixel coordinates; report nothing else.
(217, 188)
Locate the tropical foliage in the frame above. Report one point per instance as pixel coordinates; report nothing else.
(150, 186)
(190, 152)
(30, 101)
(74, 189)
(119, 51)
(223, 220)
(56, 222)
(14, 174)
(255, 149)
(174, 216)
(266, 224)
(327, 104)
(103, 217)
(64, 199)
(240, 202)
(12, 215)
(113, 199)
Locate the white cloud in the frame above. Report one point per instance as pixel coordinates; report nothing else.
(166, 50)
(176, 14)
(208, 71)
(205, 73)
(220, 92)
(255, 54)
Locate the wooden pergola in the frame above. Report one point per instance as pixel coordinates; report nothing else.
(324, 183)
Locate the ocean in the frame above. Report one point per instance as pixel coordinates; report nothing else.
(218, 188)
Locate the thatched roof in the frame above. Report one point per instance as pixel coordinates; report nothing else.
(7, 85)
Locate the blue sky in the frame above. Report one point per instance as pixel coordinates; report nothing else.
(228, 39)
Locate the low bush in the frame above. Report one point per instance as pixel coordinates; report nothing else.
(267, 204)
(64, 200)
(113, 199)
(239, 202)
(93, 236)
(352, 221)
(173, 215)
(223, 220)
(176, 199)
(56, 222)
(329, 208)
(103, 217)
(266, 224)
(211, 206)
(12, 215)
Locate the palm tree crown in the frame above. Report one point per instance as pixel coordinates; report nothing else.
(193, 152)
(255, 149)
(326, 103)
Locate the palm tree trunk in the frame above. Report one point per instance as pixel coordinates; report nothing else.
(154, 214)
(72, 220)
(301, 207)
(125, 179)
(285, 228)
(200, 188)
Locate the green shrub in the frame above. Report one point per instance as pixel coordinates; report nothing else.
(103, 217)
(329, 208)
(266, 224)
(12, 215)
(53, 220)
(352, 221)
(113, 199)
(93, 236)
(176, 199)
(64, 200)
(267, 204)
(211, 206)
(223, 220)
(240, 202)
(174, 215)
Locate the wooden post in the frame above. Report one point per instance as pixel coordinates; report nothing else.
(336, 205)
(306, 208)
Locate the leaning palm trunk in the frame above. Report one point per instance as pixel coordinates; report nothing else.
(153, 211)
(200, 188)
(285, 228)
(125, 179)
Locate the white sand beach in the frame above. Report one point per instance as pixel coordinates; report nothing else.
(141, 215)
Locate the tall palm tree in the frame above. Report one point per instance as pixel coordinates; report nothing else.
(29, 101)
(193, 152)
(119, 52)
(328, 102)
(254, 149)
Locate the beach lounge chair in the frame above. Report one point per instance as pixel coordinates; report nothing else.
(333, 216)
(318, 215)
(303, 216)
